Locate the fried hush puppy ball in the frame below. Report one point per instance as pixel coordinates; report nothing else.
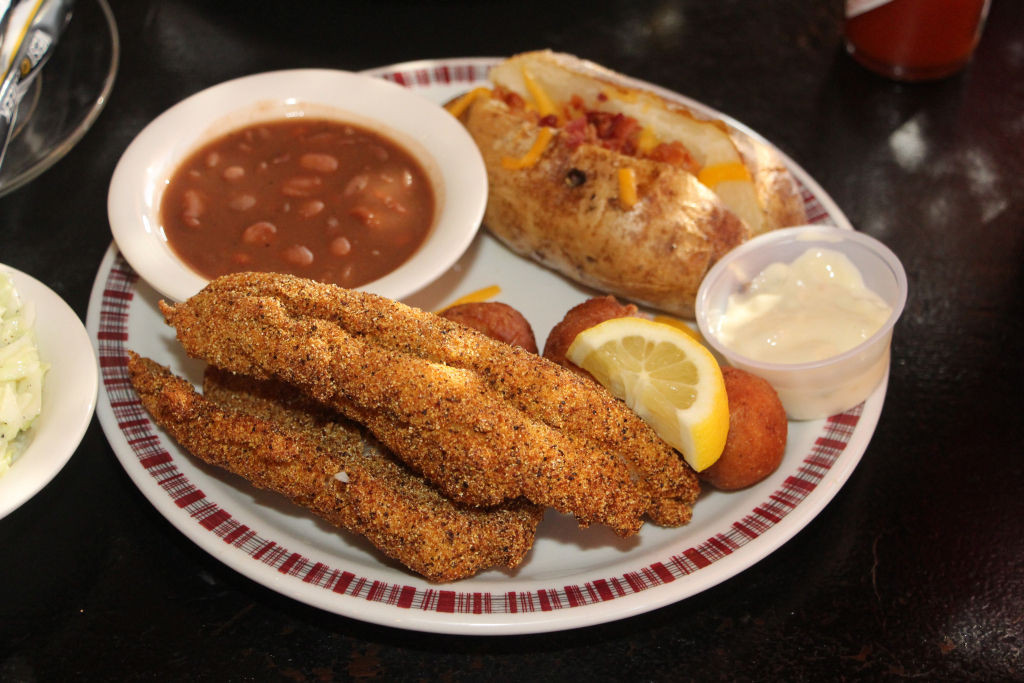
(757, 433)
(757, 421)
(578, 318)
(758, 426)
(496, 320)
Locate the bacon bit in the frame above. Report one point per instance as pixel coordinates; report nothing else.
(603, 123)
(675, 153)
(576, 132)
(617, 132)
(613, 131)
(624, 134)
(512, 99)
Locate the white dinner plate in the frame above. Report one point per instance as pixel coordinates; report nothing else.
(573, 577)
(69, 393)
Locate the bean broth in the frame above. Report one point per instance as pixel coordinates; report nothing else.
(317, 198)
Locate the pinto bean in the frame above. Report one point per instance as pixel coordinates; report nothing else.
(233, 173)
(261, 233)
(298, 255)
(193, 207)
(310, 208)
(242, 202)
(301, 186)
(389, 201)
(315, 161)
(340, 246)
(357, 184)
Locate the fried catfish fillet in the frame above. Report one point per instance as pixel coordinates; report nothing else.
(276, 440)
(485, 421)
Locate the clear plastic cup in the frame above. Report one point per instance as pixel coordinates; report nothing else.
(817, 388)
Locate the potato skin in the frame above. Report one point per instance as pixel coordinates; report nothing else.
(563, 212)
(777, 190)
(757, 433)
(495, 319)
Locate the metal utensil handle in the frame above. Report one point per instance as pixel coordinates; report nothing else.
(43, 28)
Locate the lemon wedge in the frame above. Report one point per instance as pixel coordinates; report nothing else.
(665, 376)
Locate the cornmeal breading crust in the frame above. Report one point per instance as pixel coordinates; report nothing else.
(485, 421)
(276, 440)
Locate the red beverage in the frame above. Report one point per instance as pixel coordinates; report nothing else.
(914, 40)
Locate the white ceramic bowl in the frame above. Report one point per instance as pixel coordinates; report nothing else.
(819, 388)
(437, 140)
(69, 393)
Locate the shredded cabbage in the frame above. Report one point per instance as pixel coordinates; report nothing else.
(21, 373)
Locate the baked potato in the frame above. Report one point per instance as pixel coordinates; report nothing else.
(614, 186)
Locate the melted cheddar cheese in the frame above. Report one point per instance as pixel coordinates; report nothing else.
(533, 155)
(719, 173)
(627, 187)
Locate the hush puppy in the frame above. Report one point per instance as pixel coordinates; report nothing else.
(496, 320)
(757, 433)
(578, 318)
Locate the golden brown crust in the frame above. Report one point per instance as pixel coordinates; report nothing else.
(757, 433)
(485, 421)
(278, 442)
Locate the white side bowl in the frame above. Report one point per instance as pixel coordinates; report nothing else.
(438, 141)
(69, 393)
(820, 388)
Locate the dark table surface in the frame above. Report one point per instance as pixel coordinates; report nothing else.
(914, 570)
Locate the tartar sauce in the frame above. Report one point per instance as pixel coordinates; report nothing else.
(813, 308)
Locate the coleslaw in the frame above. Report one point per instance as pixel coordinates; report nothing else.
(21, 373)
